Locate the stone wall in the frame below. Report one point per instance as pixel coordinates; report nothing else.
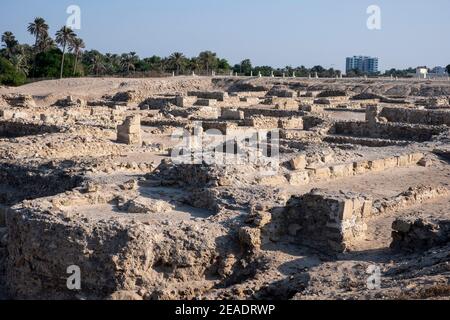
(248, 112)
(416, 116)
(417, 233)
(398, 131)
(328, 221)
(12, 129)
(130, 131)
(211, 95)
(326, 173)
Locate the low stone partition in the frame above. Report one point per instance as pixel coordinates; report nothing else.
(304, 177)
(367, 142)
(282, 92)
(327, 220)
(14, 129)
(224, 127)
(210, 95)
(156, 103)
(261, 122)
(282, 103)
(232, 114)
(414, 116)
(397, 131)
(417, 233)
(183, 102)
(413, 196)
(178, 123)
(206, 102)
(249, 112)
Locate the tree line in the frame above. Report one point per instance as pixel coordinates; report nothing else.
(65, 56)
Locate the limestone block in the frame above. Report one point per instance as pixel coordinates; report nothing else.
(323, 173)
(185, 101)
(299, 162)
(232, 114)
(403, 160)
(291, 123)
(391, 162)
(376, 165)
(339, 171)
(206, 102)
(6, 114)
(361, 167)
(299, 178)
(415, 157)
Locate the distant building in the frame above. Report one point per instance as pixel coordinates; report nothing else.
(367, 65)
(422, 72)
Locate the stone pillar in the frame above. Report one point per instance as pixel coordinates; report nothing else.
(327, 220)
(293, 74)
(259, 74)
(130, 131)
(372, 113)
(271, 74)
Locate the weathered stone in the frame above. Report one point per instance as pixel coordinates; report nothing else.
(298, 163)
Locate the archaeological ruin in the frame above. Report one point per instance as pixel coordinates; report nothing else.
(225, 188)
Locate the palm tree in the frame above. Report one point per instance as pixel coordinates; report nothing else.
(194, 64)
(76, 45)
(207, 59)
(10, 43)
(20, 60)
(38, 28)
(45, 43)
(127, 61)
(63, 37)
(178, 59)
(97, 65)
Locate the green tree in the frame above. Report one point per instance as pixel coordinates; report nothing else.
(246, 67)
(63, 37)
(75, 46)
(97, 65)
(9, 75)
(46, 43)
(178, 60)
(208, 60)
(222, 64)
(38, 28)
(48, 64)
(448, 69)
(128, 61)
(10, 44)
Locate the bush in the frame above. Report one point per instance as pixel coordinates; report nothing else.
(9, 75)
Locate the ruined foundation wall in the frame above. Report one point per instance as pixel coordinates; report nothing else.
(397, 131)
(428, 117)
(329, 221)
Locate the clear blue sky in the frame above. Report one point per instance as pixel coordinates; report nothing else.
(269, 32)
